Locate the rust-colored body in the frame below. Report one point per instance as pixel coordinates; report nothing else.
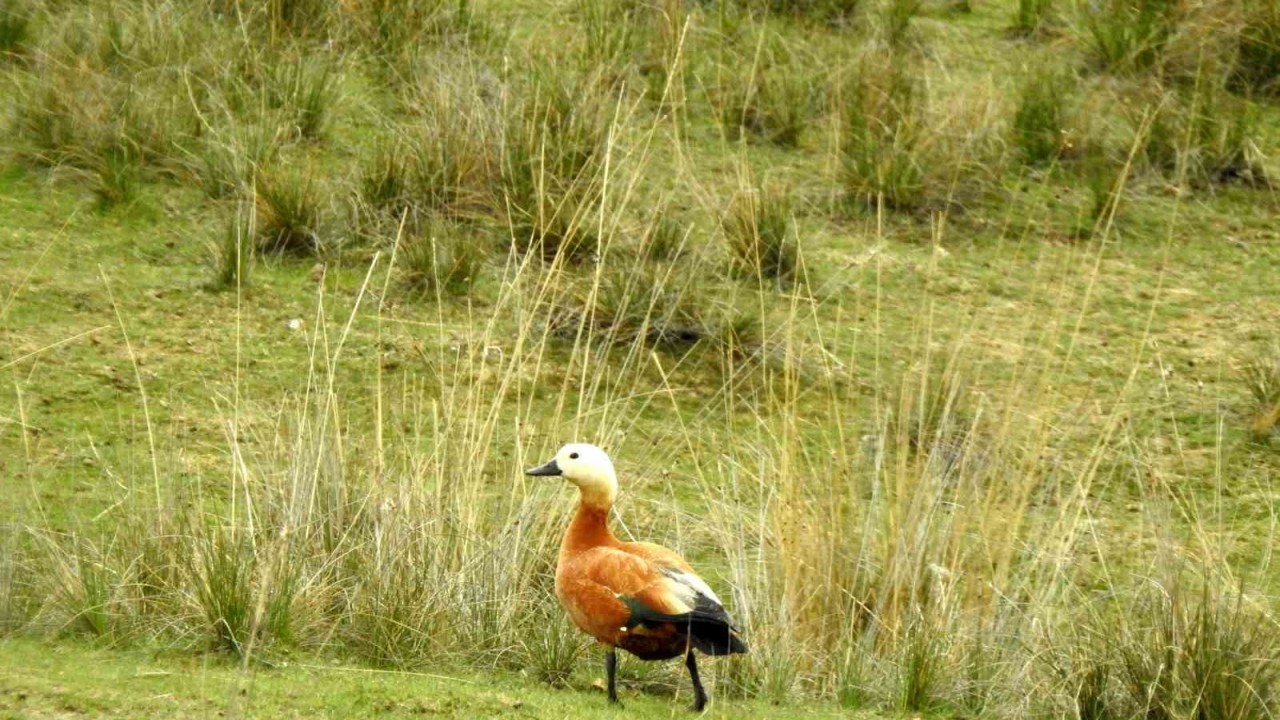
(595, 569)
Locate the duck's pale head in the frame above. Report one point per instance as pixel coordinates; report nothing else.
(586, 466)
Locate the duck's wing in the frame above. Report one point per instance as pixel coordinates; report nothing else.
(693, 589)
(618, 574)
(666, 589)
(709, 626)
(655, 592)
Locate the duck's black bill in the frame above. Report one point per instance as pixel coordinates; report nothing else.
(550, 468)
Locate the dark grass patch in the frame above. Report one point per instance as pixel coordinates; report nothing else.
(657, 306)
(1039, 122)
(758, 226)
(233, 251)
(881, 136)
(440, 259)
(288, 205)
(664, 237)
(1031, 17)
(1179, 651)
(225, 163)
(552, 144)
(116, 177)
(766, 93)
(15, 29)
(1257, 64)
(1260, 374)
(1129, 35)
(831, 12)
(1203, 135)
(396, 31)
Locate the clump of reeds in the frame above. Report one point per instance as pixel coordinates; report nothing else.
(759, 226)
(1261, 376)
(288, 205)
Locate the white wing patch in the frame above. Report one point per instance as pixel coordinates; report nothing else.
(694, 583)
(683, 597)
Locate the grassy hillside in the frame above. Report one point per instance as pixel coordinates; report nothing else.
(941, 335)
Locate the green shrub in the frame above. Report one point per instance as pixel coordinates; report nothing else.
(828, 11)
(222, 576)
(1260, 374)
(1197, 653)
(770, 95)
(551, 647)
(935, 418)
(440, 259)
(15, 29)
(385, 191)
(226, 163)
(17, 601)
(663, 238)
(1200, 135)
(893, 21)
(452, 165)
(551, 145)
(661, 57)
(612, 33)
(305, 91)
(73, 116)
(1093, 693)
(398, 29)
(758, 226)
(280, 20)
(1039, 121)
(1101, 173)
(445, 158)
(560, 124)
(1031, 16)
(662, 307)
(79, 102)
(115, 177)
(233, 251)
(394, 620)
(552, 223)
(287, 204)
(86, 585)
(1129, 35)
(922, 665)
(1257, 64)
(882, 137)
(1167, 651)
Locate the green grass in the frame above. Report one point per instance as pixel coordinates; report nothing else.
(43, 680)
(1039, 125)
(276, 343)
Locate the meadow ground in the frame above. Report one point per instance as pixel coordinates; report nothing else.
(941, 335)
(59, 680)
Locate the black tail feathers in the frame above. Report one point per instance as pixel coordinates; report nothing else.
(709, 627)
(716, 638)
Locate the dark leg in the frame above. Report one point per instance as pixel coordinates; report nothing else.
(699, 695)
(611, 668)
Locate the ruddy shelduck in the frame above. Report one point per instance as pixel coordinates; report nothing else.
(637, 596)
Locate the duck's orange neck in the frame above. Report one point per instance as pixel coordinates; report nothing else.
(588, 529)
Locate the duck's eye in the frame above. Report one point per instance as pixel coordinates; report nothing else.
(573, 456)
